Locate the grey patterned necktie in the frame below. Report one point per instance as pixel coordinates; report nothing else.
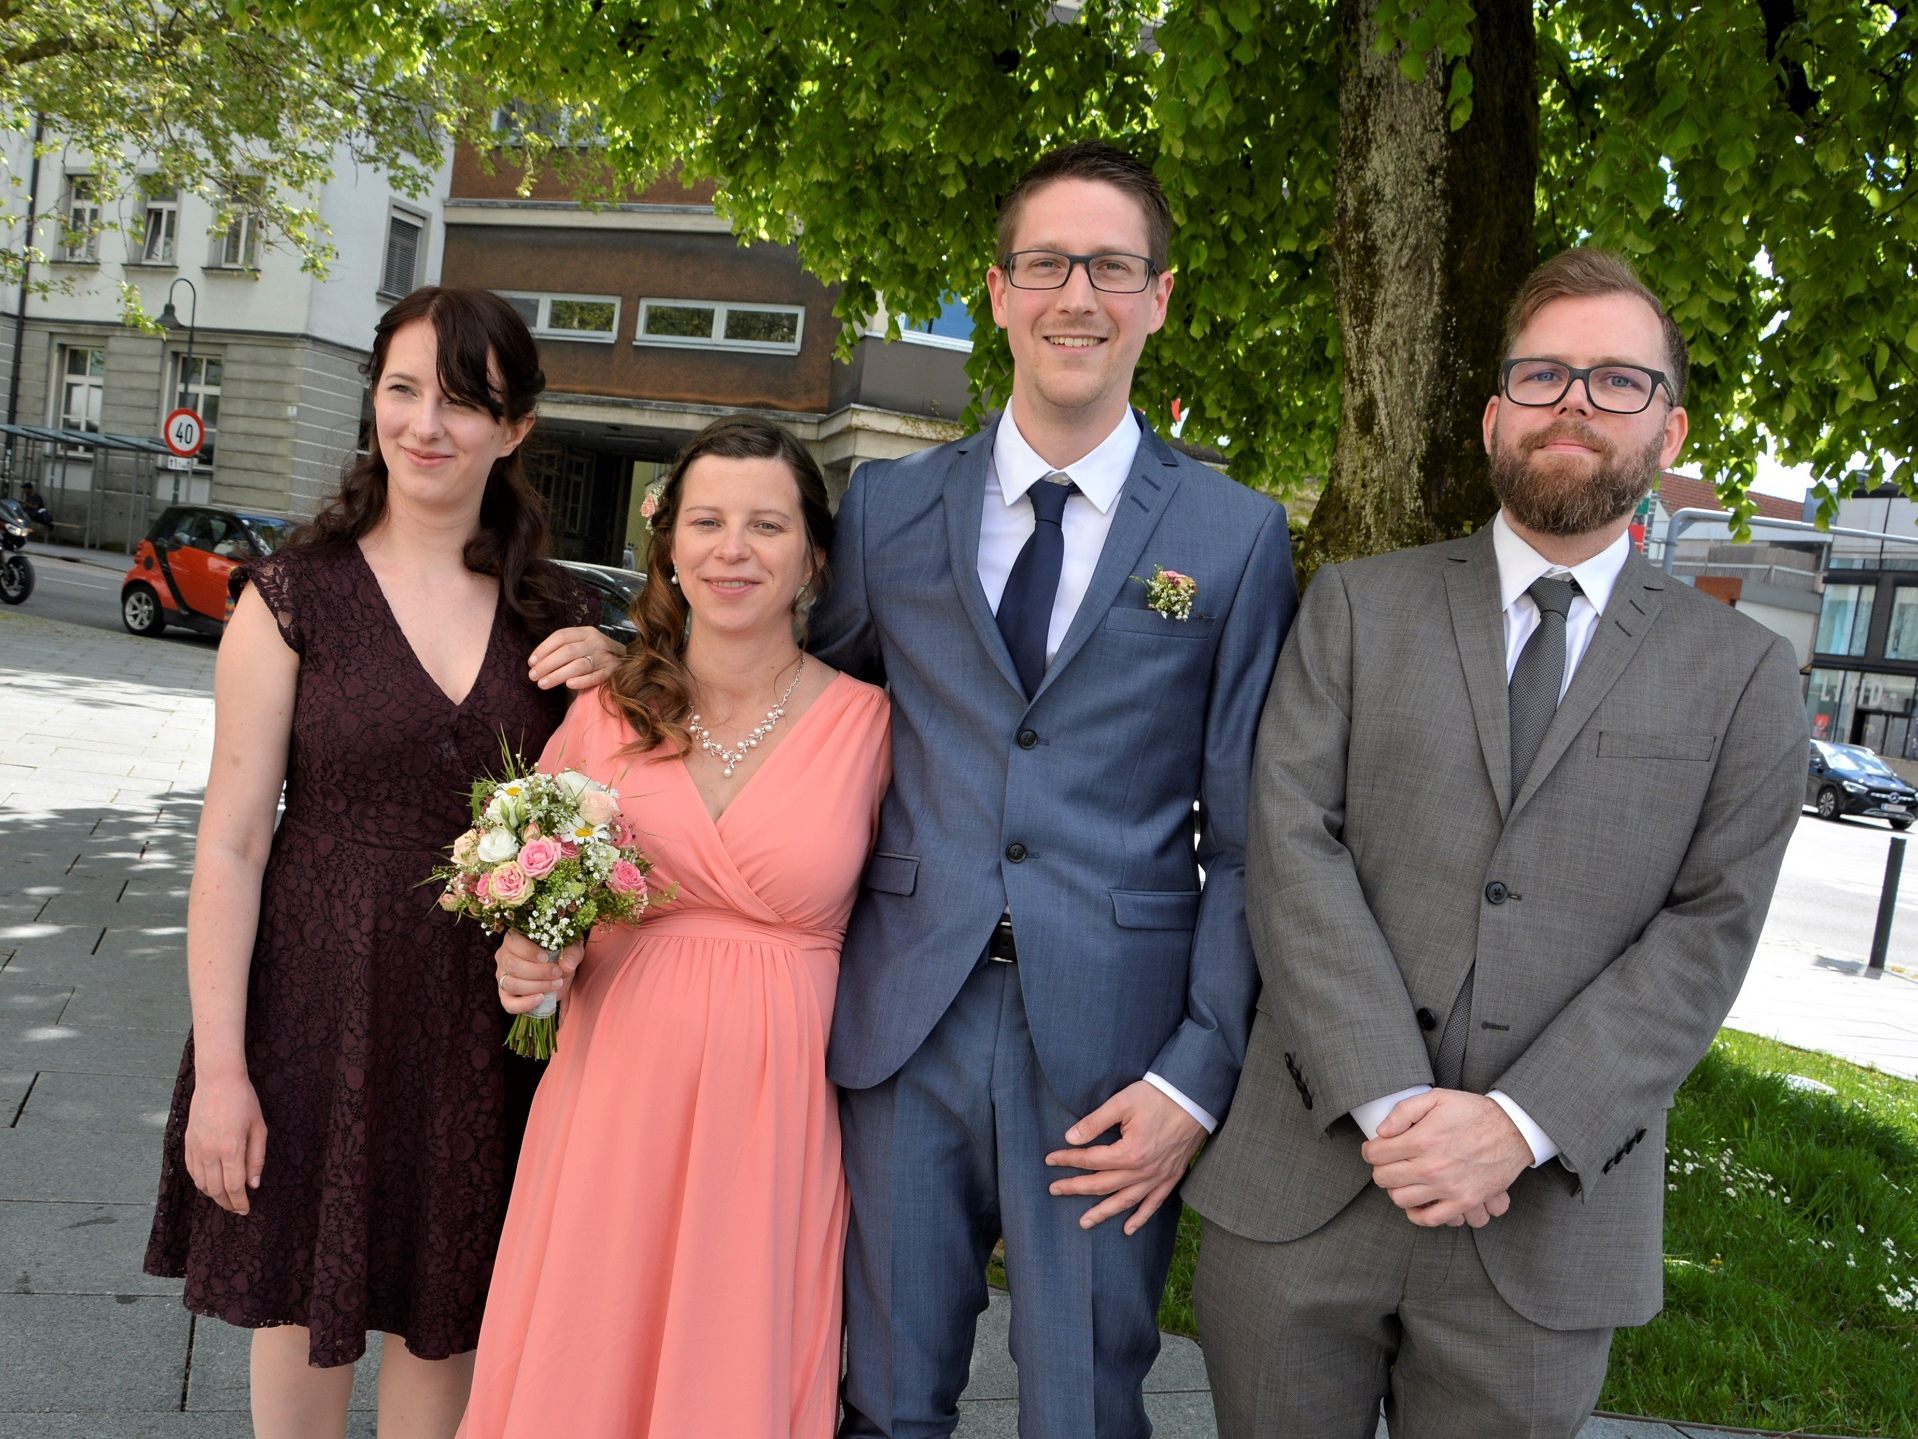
(1539, 674)
(1537, 679)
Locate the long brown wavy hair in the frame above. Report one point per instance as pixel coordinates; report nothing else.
(652, 688)
(470, 327)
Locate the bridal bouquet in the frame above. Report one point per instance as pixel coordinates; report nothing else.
(547, 855)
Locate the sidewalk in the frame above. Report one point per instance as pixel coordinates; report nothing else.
(100, 784)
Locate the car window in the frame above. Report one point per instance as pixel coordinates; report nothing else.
(269, 534)
(1856, 762)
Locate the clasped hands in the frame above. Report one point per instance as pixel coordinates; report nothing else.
(1138, 1170)
(1448, 1157)
(526, 976)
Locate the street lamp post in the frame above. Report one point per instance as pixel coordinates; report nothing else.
(169, 320)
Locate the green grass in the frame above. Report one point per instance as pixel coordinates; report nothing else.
(1791, 1265)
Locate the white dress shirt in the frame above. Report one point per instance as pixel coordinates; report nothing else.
(1006, 523)
(1518, 566)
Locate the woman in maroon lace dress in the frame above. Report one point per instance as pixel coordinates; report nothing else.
(340, 1146)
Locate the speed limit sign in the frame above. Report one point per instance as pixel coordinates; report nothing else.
(184, 432)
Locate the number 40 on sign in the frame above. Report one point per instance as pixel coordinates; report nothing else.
(184, 432)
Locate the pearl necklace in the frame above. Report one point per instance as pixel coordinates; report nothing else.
(731, 759)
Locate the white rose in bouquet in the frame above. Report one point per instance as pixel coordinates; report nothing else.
(573, 783)
(497, 846)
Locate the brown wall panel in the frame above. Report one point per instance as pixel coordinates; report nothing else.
(472, 182)
(653, 264)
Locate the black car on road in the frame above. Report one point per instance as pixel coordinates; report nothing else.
(1849, 779)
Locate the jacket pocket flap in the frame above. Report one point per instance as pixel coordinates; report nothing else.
(1622, 744)
(892, 873)
(1155, 908)
(1195, 626)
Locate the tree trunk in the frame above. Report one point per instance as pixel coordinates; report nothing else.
(1434, 234)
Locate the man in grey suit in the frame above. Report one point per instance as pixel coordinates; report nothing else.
(1519, 805)
(1041, 1011)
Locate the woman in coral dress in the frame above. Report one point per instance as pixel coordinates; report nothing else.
(672, 1254)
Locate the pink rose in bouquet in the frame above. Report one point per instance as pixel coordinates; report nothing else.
(626, 878)
(512, 886)
(598, 806)
(538, 856)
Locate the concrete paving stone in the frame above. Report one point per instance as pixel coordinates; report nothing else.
(1180, 1367)
(100, 1007)
(133, 976)
(52, 941)
(77, 887)
(50, 1165)
(219, 1379)
(125, 1424)
(23, 1002)
(51, 1048)
(50, 787)
(77, 1248)
(1613, 1426)
(133, 942)
(99, 1103)
(19, 908)
(15, 1086)
(48, 1340)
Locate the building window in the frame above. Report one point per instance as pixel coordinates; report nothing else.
(1845, 619)
(83, 382)
(722, 325)
(80, 216)
(237, 246)
(1901, 635)
(567, 317)
(564, 479)
(405, 248)
(951, 328)
(161, 233)
(196, 384)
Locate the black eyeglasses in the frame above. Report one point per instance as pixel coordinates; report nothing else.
(1616, 389)
(1115, 272)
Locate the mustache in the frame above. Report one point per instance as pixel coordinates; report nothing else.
(1568, 430)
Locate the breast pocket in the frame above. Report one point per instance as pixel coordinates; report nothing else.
(1151, 622)
(1623, 744)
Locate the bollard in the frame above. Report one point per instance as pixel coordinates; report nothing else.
(1887, 903)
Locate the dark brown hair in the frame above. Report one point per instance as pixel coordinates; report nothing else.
(1108, 164)
(652, 688)
(470, 327)
(1584, 273)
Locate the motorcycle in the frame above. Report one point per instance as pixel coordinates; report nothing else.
(16, 570)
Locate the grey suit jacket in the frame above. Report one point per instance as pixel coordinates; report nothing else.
(1073, 808)
(1610, 906)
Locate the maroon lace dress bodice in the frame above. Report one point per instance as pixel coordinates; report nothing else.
(373, 1030)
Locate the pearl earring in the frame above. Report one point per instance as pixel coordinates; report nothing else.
(673, 578)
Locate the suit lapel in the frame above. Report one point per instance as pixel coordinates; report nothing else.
(1478, 626)
(965, 498)
(1636, 600)
(1142, 499)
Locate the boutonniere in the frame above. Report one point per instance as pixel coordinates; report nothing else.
(1169, 593)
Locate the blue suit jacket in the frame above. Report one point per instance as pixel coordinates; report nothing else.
(1074, 810)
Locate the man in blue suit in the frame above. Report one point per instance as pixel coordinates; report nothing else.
(1041, 1011)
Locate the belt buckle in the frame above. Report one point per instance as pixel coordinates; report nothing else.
(1000, 948)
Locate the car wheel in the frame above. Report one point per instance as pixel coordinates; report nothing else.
(1829, 805)
(140, 610)
(16, 579)
(1901, 825)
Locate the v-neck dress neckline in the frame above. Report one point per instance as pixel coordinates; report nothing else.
(406, 643)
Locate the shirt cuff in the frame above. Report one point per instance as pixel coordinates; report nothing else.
(1171, 1093)
(1542, 1147)
(1371, 1115)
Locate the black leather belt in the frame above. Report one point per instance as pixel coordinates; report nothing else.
(1001, 946)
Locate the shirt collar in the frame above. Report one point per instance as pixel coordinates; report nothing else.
(1100, 475)
(1519, 564)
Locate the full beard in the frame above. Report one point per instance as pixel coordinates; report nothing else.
(1566, 499)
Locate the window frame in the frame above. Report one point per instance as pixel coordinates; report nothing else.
(245, 216)
(162, 202)
(66, 383)
(80, 243)
(399, 215)
(542, 324)
(1858, 632)
(716, 340)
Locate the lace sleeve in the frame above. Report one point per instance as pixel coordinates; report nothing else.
(275, 578)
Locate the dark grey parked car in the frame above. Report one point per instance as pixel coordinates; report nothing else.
(617, 589)
(1849, 779)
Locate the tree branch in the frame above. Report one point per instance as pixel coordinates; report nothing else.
(1780, 16)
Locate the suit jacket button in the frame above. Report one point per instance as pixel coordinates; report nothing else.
(1028, 738)
(1016, 853)
(1428, 1021)
(1496, 893)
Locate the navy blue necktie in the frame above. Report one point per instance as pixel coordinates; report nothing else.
(1025, 609)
